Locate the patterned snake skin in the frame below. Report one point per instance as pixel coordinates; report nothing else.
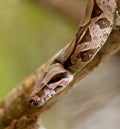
(91, 36)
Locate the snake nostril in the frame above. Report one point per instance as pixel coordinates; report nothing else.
(33, 102)
(30, 101)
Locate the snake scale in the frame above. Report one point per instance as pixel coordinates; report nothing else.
(91, 36)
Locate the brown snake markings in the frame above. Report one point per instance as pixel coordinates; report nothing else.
(87, 42)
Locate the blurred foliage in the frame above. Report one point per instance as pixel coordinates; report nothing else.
(29, 35)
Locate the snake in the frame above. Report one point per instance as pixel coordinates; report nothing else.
(92, 34)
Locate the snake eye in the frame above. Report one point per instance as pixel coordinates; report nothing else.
(57, 78)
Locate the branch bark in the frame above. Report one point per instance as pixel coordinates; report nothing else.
(71, 9)
(15, 109)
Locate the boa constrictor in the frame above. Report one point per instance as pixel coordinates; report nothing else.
(91, 36)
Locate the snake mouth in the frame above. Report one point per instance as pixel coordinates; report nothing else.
(36, 100)
(39, 100)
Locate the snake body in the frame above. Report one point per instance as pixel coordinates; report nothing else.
(91, 36)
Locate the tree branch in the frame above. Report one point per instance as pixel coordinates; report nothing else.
(71, 9)
(15, 108)
(18, 97)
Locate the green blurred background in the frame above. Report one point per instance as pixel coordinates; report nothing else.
(29, 35)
